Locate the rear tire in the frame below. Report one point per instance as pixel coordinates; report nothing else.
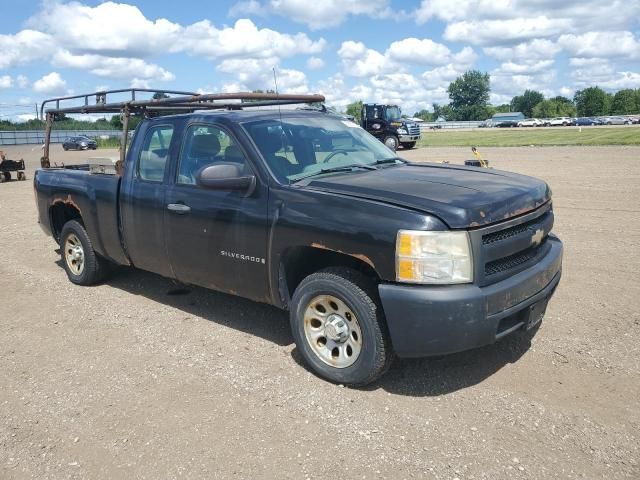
(339, 327)
(82, 264)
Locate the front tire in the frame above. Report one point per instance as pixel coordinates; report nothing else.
(391, 141)
(81, 262)
(339, 327)
(408, 145)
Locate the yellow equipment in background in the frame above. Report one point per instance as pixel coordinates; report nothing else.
(479, 161)
(476, 153)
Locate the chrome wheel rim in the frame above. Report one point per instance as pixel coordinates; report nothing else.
(74, 254)
(391, 143)
(332, 331)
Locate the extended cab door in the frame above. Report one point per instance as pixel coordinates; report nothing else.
(216, 238)
(142, 202)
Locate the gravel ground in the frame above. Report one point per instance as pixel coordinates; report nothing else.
(125, 380)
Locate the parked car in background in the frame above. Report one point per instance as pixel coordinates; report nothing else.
(561, 122)
(530, 122)
(617, 121)
(506, 124)
(586, 121)
(79, 143)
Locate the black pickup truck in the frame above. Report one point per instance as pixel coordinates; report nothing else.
(373, 256)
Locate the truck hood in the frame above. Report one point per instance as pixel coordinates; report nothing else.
(460, 196)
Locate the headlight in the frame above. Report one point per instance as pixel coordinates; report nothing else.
(433, 257)
(402, 131)
(84, 144)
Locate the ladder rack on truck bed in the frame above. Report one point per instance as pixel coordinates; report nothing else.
(166, 104)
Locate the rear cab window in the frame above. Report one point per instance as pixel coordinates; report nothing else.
(154, 153)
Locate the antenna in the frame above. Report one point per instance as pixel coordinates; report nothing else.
(282, 134)
(275, 79)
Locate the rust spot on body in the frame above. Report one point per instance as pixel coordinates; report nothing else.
(67, 201)
(359, 256)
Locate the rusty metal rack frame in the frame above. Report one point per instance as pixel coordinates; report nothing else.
(183, 102)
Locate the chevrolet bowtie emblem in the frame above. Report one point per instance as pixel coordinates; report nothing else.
(536, 238)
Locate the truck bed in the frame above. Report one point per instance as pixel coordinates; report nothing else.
(62, 190)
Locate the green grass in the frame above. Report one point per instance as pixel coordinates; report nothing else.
(518, 137)
(110, 142)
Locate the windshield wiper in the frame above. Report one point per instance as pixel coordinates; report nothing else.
(341, 168)
(389, 160)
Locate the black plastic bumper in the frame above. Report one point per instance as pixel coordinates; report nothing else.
(436, 320)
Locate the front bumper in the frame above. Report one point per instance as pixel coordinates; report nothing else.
(435, 320)
(408, 138)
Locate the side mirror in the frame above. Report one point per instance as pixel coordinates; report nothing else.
(226, 176)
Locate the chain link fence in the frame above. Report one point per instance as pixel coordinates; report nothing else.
(25, 137)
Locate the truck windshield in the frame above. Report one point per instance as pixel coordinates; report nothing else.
(393, 113)
(301, 146)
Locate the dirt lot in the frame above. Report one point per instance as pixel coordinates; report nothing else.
(124, 380)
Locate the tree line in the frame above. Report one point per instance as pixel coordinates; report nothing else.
(469, 100)
(65, 123)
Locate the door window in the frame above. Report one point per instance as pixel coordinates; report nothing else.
(206, 145)
(154, 153)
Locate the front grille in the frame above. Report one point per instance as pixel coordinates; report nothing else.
(510, 262)
(413, 129)
(507, 233)
(507, 249)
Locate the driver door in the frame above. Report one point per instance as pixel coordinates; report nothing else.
(215, 238)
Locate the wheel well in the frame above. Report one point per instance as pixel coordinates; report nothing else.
(299, 262)
(60, 214)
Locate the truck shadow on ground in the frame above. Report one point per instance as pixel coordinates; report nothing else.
(427, 377)
(411, 377)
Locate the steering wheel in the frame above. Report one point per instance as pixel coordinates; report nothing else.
(334, 153)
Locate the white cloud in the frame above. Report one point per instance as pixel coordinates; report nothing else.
(248, 7)
(139, 83)
(115, 40)
(598, 71)
(315, 63)
(492, 32)
(113, 67)
(6, 81)
(508, 84)
(621, 80)
(253, 74)
(22, 81)
(244, 39)
(25, 117)
(109, 29)
(360, 61)
(51, 83)
(580, 15)
(525, 67)
(422, 51)
(23, 48)
(537, 49)
(602, 45)
(316, 15)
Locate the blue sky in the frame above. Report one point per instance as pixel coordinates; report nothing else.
(404, 52)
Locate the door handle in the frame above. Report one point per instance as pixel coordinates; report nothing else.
(179, 208)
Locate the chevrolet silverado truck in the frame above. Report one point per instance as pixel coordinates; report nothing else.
(372, 256)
